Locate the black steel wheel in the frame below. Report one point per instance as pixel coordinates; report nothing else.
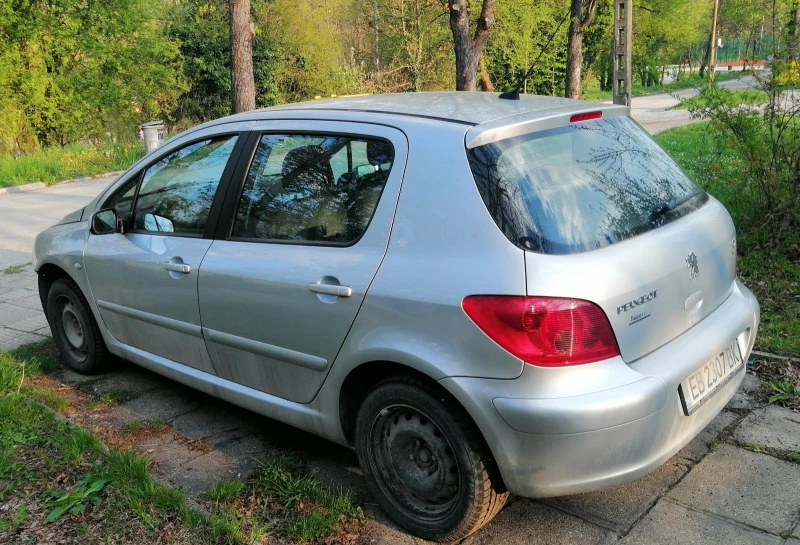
(425, 461)
(74, 328)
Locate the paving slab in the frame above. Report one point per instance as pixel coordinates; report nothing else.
(754, 489)
(11, 314)
(207, 421)
(134, 380)
(32, 325)
(700, 445)
(672, 524)
(771, 426)
(530, 522)
(167, 404)
(619, 507)
(11, 338)
(792, 541)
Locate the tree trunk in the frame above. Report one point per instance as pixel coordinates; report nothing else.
(243, 86)
(794, 34)
(581, 15)
(468, 49)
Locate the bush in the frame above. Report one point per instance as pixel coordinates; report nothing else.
(765, 139)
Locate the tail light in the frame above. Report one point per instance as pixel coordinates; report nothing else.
(545, 331)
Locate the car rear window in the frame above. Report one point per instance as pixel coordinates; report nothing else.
(582, 186)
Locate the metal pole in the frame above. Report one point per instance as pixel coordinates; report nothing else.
(712, 46)
(623, 40)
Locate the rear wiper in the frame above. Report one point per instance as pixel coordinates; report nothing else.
(668, 207)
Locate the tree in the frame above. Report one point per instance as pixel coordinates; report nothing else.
(582, 13)
(243, 84)
(468, 49)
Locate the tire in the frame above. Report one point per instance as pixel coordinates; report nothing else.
(425, 461)
(74, 328)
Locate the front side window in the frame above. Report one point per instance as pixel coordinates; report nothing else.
(176, 192)
(312, 188)
(581, 187)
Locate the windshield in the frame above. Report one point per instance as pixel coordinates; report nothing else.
(582, 186)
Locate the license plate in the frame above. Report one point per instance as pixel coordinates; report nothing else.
(698, 387)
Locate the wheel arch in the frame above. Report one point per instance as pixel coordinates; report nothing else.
(362, 378)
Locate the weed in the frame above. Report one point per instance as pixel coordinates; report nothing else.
(16, 520)
(783, 391)
(75, 500)
(226, 490)
(110, 398)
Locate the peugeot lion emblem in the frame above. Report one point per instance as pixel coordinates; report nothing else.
(694, 268)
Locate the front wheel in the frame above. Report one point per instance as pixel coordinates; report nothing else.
(425, 460)
(74, 328)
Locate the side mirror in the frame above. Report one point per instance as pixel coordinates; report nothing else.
(104, 222)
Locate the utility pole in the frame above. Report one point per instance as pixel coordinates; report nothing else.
(712, 45)
(623, 42)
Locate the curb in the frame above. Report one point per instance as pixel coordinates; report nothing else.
(768, 356)
(37, 186)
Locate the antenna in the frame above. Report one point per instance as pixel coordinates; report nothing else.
(514, 93)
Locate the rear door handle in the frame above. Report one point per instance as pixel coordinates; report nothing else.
(331, 289)
(182, 268)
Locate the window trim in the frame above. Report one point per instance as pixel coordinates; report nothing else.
(225, 230)
(219, 195)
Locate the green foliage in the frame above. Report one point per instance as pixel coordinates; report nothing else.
(53, 164)
(783, 391)
(76, 499)
(71, 70)
(226, 490)
(734, 98)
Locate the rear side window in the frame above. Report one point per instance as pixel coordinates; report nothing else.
(312, 188)
(581, 187)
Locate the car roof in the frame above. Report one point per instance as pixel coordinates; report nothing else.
(490, 117)
(456, 106)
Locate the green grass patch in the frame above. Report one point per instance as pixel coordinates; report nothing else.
(112, 397)
(593, 92)
(15, 269)
(773, 273)
(155, 423)
(54, 164)
(735, 98)
(60, 476)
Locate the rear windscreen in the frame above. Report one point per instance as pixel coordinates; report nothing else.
(582, 186)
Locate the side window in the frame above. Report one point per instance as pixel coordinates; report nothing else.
(176, 192)
(311, 188)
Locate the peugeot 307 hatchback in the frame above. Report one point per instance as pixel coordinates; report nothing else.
(483, 296)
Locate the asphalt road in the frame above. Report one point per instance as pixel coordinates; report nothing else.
(24, 215)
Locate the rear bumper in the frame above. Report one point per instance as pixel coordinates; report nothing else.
(563, 431)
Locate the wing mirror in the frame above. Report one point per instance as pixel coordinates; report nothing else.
(105, 222)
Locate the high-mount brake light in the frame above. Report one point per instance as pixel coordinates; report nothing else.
(544, 331)
(585, 116)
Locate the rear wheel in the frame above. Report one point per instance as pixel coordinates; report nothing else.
(74, 328)
(425, 460)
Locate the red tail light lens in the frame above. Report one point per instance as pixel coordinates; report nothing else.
(585, 116)
(546, 331)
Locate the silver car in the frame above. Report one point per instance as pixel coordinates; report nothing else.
(484, 297)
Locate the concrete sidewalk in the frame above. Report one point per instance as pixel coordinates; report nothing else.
(722, 488)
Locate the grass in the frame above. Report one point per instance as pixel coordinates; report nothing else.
(155, 423)
(54, 164)
(593, 91)
(110, 398)
(773, 273)
(15, 269)
(58, 479)
(749, 96)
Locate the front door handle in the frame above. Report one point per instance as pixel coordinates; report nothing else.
(331, 289)
(182, 268)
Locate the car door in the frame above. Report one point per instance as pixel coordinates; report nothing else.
(281, 286)
(144, 279)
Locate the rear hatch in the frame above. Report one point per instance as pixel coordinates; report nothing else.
(605, 215)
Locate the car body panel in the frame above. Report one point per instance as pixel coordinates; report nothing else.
(143, 304)
(291, 336)
(644, 284)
